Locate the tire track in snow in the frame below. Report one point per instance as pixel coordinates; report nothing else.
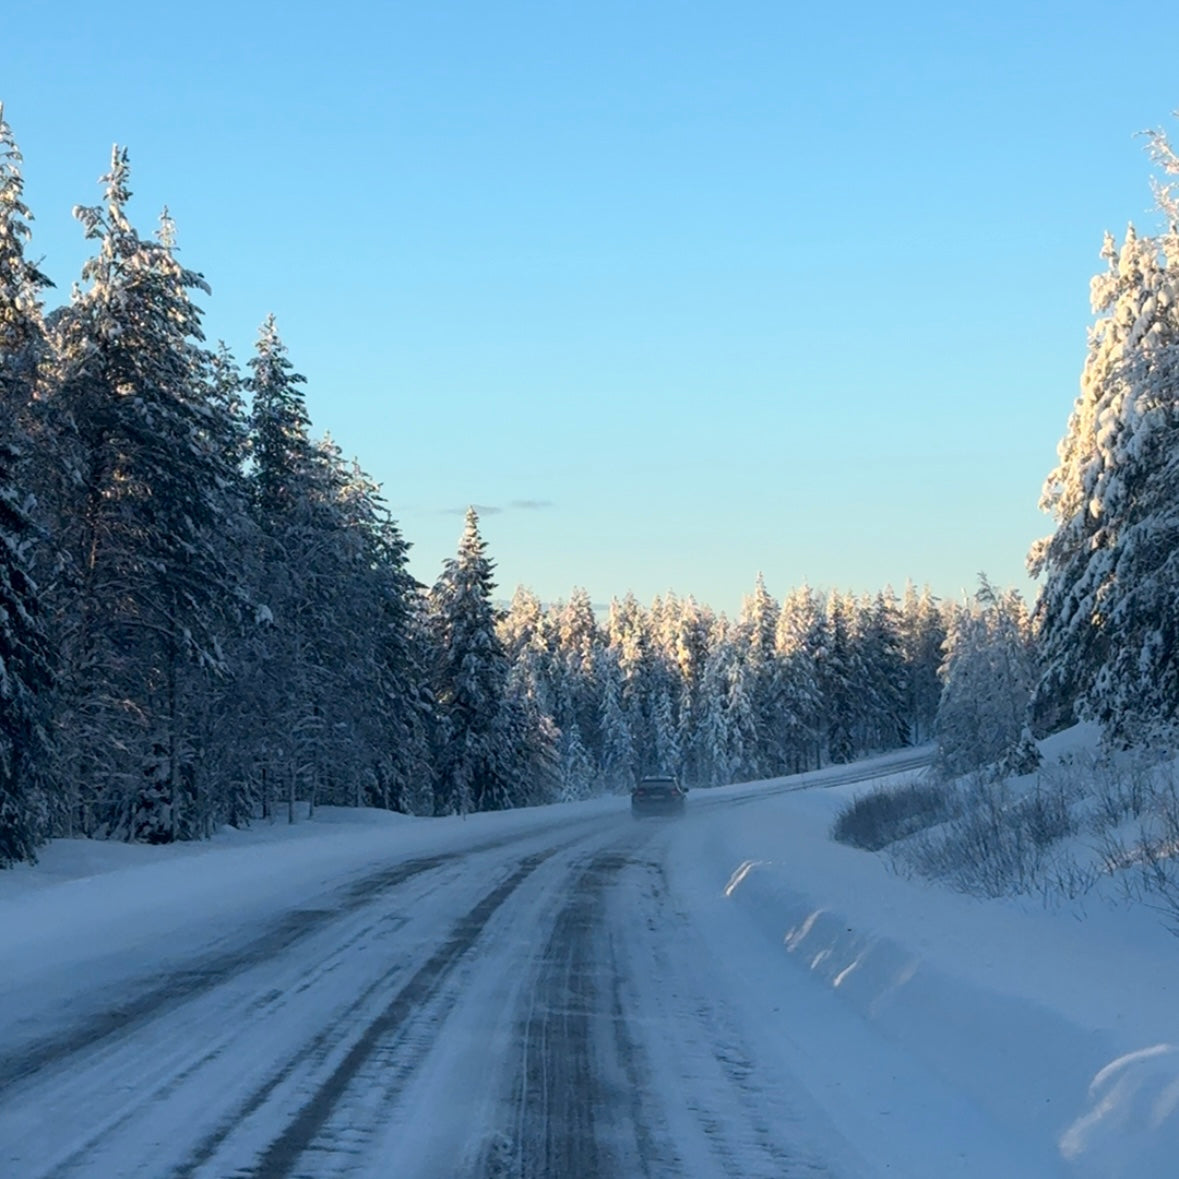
(281, 1156)
(120, 1066)
(132, 1005)
(560, 1091)
(151, 1073)
(164, 993)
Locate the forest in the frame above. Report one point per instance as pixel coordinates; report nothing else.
(207, 617)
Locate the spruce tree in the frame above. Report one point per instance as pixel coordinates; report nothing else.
(25, 674)
(759, 620)
(989, 672)
(471, 682)
(709, 750)
(800, 640)
(840, 679)
(308, 556)
(1107, 599)
(150, 576)
(616, 760)
(885, 723)
(922, 634)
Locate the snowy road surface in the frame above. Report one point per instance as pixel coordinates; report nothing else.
(565, 993)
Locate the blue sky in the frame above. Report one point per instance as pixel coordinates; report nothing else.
(678, 291)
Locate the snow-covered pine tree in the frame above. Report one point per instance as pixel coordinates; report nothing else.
(528, 634)
(577, 768)
(989, 672)
(24, 653)
(885, 722)
(708, 751)
(221, 707)
(628, 635)
(25, 674)
(742, 745)
(470, 682)
(230, 419)
(922, 634)
(1113, 497)
(379, 717)
(522, 622)
(685, 642)
(22, 329)
(616, 760)
(580, 642)
(800, 640)
(841, 680)
(150, 578)
(1135, 692)
(308, 553)
(668, 756)
(759, 622)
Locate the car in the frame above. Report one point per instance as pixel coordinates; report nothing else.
(658, 794)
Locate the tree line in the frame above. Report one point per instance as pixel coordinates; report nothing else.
(206, 613)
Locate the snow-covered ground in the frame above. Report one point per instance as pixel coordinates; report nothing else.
(568, 992)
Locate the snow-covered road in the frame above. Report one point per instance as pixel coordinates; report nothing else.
(564, 993)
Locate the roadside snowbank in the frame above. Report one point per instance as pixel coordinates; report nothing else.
(1060, 1027)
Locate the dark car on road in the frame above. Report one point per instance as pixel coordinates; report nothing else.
(660, 794)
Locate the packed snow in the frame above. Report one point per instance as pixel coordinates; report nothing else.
(756, 1000)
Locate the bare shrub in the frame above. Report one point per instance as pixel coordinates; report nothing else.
(1119, 792)
(1045, 813)
(997, 843)
(1064, 879)
(885, 814)
(1146, 864)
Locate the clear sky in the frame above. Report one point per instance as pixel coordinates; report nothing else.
(676, 292)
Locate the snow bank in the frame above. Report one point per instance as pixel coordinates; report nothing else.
(1060, 1028)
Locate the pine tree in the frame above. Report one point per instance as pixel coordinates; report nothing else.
(1113, 504)
(667, 743)
(312, 554)
(577, 769)
(579, 643)
(528, 743)
(922, 635)
(759, 622)
(22, 329)
(470, 683)
(709, 751)
(840, 681)
(379, 714)
(521, 624)
(25, 674)
(617, 757)
(885, 723)
(24, 677)
(989, 672)
(627, 630)
(742, 748)
(686, 643)
(150, 578)
(800, 641)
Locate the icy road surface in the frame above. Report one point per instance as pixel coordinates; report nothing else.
(565, 992)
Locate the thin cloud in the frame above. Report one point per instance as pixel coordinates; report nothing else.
(481, 509)
(516, 505)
